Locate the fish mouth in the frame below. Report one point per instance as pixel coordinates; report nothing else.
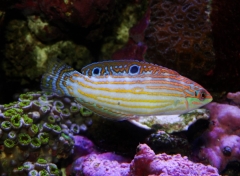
(208, 97)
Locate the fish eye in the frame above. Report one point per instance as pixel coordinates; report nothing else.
(134, 69)
(96, 71)
(201, 95)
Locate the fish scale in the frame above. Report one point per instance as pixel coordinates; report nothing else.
(126, 89)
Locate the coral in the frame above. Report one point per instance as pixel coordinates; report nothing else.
(91, 21)
(44, 34)
(39, 128)
(178, 36)
(145, 162)
(86, 154)
(42, 30)
(40, 167)
(120, 45)
(81, 12)
(83, 146)
(26, 56)
(161, 141)
(235, 97)
(135, 48)
(219, 144)
(101, 164)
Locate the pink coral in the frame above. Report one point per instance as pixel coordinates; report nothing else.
(101, 164)
(235, 97)
(145, 162)
(221, 142)
(83, 146)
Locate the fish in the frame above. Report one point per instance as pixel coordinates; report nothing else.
(126, 89)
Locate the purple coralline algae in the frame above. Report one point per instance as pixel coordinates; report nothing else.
(101, 164)
(83, 146)
(145, 162)
(220, 142)
(90, 161)
(234, 97)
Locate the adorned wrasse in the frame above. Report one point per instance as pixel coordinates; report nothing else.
(126, 89)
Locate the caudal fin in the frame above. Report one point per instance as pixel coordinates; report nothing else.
(56, 77)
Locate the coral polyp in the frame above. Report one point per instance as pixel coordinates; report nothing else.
(9, 145)
(179, 36)
(39, 129)
(24, 139)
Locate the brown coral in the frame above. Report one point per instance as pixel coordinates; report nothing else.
(178, 36)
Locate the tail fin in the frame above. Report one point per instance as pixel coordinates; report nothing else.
(55, 79)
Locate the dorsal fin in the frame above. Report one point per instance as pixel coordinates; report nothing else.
(125, 67)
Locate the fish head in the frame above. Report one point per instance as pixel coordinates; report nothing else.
(197, 96)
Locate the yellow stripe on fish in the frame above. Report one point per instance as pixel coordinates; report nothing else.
(126, 89)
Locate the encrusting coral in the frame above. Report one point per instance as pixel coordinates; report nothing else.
(39, 127)
(220, 142)
(89, 161)
(41, 167)
(26, 55)
(148, 163)
(75, 31)
(234, 97)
